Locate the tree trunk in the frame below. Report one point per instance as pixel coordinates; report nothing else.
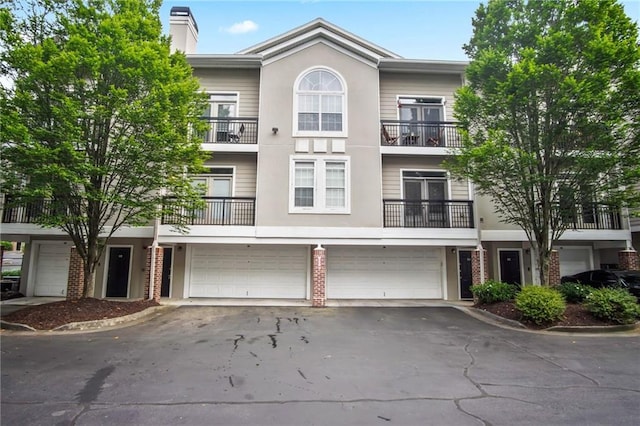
(90, 264)
(89, 281)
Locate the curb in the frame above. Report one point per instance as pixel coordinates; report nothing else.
(91, 325)
(603, 329)
(489, 317)
(594, 329)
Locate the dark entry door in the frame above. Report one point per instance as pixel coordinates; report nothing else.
(166, 272)
(510, 267)
(118, 271)
(464, 259)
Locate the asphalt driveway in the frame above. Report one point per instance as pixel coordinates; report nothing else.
(304, 366)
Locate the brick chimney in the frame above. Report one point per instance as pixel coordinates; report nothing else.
(183, 30)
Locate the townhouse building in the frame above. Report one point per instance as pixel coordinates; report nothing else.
(325, 182)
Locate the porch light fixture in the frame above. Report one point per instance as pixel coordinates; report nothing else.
(274, 130)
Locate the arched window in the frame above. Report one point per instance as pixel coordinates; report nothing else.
(321, 102)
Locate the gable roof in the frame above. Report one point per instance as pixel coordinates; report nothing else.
(319, 30)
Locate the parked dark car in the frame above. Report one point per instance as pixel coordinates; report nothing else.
(607, 278)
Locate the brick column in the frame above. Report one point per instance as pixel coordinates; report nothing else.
(628, 259)
(554, 268)
(476, 277)
(319, 278)
(75, 280)
(157, 279)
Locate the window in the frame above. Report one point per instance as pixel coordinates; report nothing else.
(319, 185)
(320, 98)
(221, 115)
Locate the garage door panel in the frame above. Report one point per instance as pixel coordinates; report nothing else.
(377, 273)
(253, 272)
(574, 260)
(52, 270)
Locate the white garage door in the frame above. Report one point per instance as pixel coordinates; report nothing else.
(255, 271)
(378, 273)
(52, 269)
(574, 260)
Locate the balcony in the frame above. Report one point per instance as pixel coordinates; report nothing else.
(428, 214)
(442, 134)
(25, 212)
(590, 216)
(235, 211)
(231, 130)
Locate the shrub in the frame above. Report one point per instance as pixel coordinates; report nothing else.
(613, 304)
(540, 305)
(494, 291)
(574, 292)
(11, 273)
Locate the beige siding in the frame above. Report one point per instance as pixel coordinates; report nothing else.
(395, 84)
(361, 141)
(244, 179)
(244, 82)
(392, 168)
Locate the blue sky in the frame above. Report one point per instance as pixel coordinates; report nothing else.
(426, 29)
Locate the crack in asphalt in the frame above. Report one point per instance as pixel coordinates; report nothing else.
(541, 357)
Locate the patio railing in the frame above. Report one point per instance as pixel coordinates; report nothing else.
(444, 134)
(239, 211)
(231, 130)
(428, 214)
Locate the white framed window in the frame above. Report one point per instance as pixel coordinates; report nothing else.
(319, 185)
(320, 103)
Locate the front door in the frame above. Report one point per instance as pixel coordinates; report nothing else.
(510, 271)
(166, 272)
(464, 260)
(118, 271)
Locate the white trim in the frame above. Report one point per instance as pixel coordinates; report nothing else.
(107, 258)
(218, 175)
(370, 62)
(443, 273)
(443, 103)
(519, 250)
(284, 234)
(187, 271)
(344, 133)
(579, 235)
(229, 147)
(418, 150)
(38, 231)
(319, 173)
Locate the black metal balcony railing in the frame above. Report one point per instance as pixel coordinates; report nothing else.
(590, 216)
(428, 214)
(442, 134)
(231, 130)
(25, 212)
(239, 211)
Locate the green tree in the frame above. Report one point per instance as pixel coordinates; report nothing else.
(97, 118)
(550, 112)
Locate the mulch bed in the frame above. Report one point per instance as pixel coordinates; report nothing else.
(574, 315)
(52, 315)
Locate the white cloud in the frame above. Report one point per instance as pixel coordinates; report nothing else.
(241, 27)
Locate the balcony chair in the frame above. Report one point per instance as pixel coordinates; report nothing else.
(388, 139)
(235, 137)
